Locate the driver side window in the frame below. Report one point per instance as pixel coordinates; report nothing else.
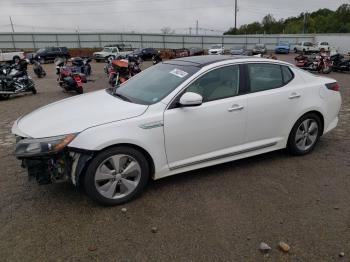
(217, 84)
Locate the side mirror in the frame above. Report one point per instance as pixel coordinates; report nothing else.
(190, 99)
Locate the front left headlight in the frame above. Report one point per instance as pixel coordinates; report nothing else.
(32, 147)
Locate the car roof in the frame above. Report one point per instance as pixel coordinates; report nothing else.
(201, 61)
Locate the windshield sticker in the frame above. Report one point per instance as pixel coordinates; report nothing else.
(178, 72)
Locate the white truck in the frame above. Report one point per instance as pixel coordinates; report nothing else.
(6, 56)
(305, 47)
(108, 51)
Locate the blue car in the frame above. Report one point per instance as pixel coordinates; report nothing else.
(282, 48)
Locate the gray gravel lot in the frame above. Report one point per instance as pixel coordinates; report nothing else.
(220, 213)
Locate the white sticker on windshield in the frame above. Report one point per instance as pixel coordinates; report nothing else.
(178, 72)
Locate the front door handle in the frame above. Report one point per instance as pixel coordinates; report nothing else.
(294, 95)
(235, 107)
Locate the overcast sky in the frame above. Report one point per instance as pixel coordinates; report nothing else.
(146, 15)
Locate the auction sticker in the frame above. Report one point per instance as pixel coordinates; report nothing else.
(178, 72)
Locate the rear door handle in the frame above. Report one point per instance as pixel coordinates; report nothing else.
(235, 107)
(294, 95)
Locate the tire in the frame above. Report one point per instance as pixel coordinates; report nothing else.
(34, 91)
(301, 141)
(295, 50)
(79, 90)
(326, 70)
(4, 97)
(127, 186)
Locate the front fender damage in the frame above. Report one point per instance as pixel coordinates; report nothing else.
(62, 167)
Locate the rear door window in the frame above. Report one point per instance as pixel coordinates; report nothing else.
(264, 77)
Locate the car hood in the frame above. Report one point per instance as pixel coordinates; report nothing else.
(76, 114)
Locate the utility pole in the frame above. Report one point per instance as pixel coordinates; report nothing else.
(304, 24)
(13, 30)
(197, 27)
(190, 30)
(235, 16)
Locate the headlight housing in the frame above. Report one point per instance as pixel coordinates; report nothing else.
(32, 147)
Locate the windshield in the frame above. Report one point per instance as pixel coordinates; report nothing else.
(260, 45)
(284, 44)
(308, 44)
(216, 47)
(107, 49)
(152, 85)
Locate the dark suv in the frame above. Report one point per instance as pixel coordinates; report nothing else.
(144, 53)
(50, 53)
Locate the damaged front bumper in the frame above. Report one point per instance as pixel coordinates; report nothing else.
(50, 160)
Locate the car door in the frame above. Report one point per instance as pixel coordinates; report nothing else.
(272, 102)
(213, 129)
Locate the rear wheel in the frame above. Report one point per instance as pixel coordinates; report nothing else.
(116, 176)
(305, 134)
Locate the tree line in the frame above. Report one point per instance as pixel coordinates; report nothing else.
(321, 21)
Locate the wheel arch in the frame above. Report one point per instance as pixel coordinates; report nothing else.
(80, 176)
(316, 112)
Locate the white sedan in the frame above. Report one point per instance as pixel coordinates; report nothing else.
(177, 116)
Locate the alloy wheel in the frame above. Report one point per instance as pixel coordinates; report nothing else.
(117, 176)
(306, 134)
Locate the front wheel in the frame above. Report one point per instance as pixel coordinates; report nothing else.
(117, 175)
(326, 69)
(305, 134)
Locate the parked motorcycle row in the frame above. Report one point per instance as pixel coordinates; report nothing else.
(14, 78)
(323, 63)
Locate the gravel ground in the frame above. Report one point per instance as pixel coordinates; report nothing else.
(221, 213)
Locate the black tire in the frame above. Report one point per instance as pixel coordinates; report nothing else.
(34, 91)
(292, 144)
(79, 90)
(4, 97)
(295, 50)
(89, 179)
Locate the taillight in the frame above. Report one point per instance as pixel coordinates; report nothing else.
(333, 86)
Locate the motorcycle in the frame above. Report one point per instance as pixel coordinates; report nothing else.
(38, 69)
(320, 63)
(121, 70)
(70, 78)
(156, 58)
(14, 81)
(340, 64)
(82, 65)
